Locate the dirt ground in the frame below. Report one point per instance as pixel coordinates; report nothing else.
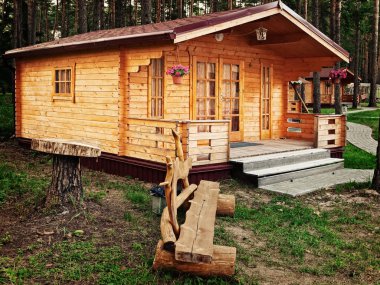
(112, 220)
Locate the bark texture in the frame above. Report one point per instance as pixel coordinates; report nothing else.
(66, 183)
(375, 40)
(376, 174)
(146, 12)
(356, 66)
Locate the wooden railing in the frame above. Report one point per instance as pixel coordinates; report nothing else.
(300, 126)
(206, 142)
(325, 131)
(330, 131)
(150, 139)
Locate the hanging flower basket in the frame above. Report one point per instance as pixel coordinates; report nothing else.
(177, 79)
(337, 74)
(177, 72)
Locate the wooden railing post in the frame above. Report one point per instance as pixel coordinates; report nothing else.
(316, 124)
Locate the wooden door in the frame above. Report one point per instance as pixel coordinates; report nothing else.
(205, 82)
(217, 93)
(265, 102)
(230, 98)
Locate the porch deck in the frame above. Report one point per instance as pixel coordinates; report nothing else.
(239, 150)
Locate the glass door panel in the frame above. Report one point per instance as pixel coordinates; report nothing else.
(206, 91)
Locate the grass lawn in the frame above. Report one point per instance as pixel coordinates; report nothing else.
(331, 237)
(369, 118)
(6, 116)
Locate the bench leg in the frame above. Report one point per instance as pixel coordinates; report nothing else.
(222, 264)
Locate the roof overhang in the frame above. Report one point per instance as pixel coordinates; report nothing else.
(241, 17)
(96, 43)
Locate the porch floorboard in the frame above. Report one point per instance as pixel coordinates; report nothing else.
(267, 147)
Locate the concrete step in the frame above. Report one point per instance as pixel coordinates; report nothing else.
(304, 185)
(289, 172)
(279, 159)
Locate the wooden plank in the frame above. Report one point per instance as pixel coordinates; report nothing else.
(195, 243)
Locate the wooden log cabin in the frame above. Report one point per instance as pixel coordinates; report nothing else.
(109, 87)
(327, 88)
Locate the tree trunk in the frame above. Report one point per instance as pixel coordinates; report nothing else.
(365, 59)
(146, 12)
(376, 174)
(17, 24)
(214, 6)
(305, 10)
(82, 16)
(31, 22)
(158, 11)
(375, 34)
(332, 19)
(337, 89)
(356, 66)
(66, 183)
(316, 75)
(316, 93)
(230, 7)
(179, 8)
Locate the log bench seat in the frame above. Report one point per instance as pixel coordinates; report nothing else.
(190, 247)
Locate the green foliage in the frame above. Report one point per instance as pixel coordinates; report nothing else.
(96, 196)
(6, 115)
(294, 230)
(15, 184)
(357, 158)
(369, 118)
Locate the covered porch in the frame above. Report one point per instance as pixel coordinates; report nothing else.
(208, 142)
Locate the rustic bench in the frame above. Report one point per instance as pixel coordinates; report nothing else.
(190, 247)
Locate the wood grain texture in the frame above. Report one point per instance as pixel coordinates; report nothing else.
(195, 243)
(225, 205)
(222, 264)
(66, 147)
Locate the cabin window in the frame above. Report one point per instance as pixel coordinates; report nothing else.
(230, 94)
(156, 100)
(328, 88)
(63, 84)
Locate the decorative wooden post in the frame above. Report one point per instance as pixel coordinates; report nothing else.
(66, 182)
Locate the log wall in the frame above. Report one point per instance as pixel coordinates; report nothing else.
(93, 116)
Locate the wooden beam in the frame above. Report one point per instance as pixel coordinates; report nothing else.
(222, 264)
(195, 243)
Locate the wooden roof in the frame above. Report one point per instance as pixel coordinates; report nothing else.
(184, 29)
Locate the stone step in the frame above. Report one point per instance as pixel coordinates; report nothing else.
(289, 172)
(279, 159)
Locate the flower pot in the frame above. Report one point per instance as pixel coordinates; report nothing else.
(177, 79)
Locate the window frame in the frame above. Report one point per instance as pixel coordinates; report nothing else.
(150, 88)
(64, 96)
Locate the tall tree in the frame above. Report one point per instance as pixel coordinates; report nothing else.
(375, 40)
(17, 24)
(82, 16)
(31, 22)
(356, 66)
(337, 97)
(146, 12)
(316, 74)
